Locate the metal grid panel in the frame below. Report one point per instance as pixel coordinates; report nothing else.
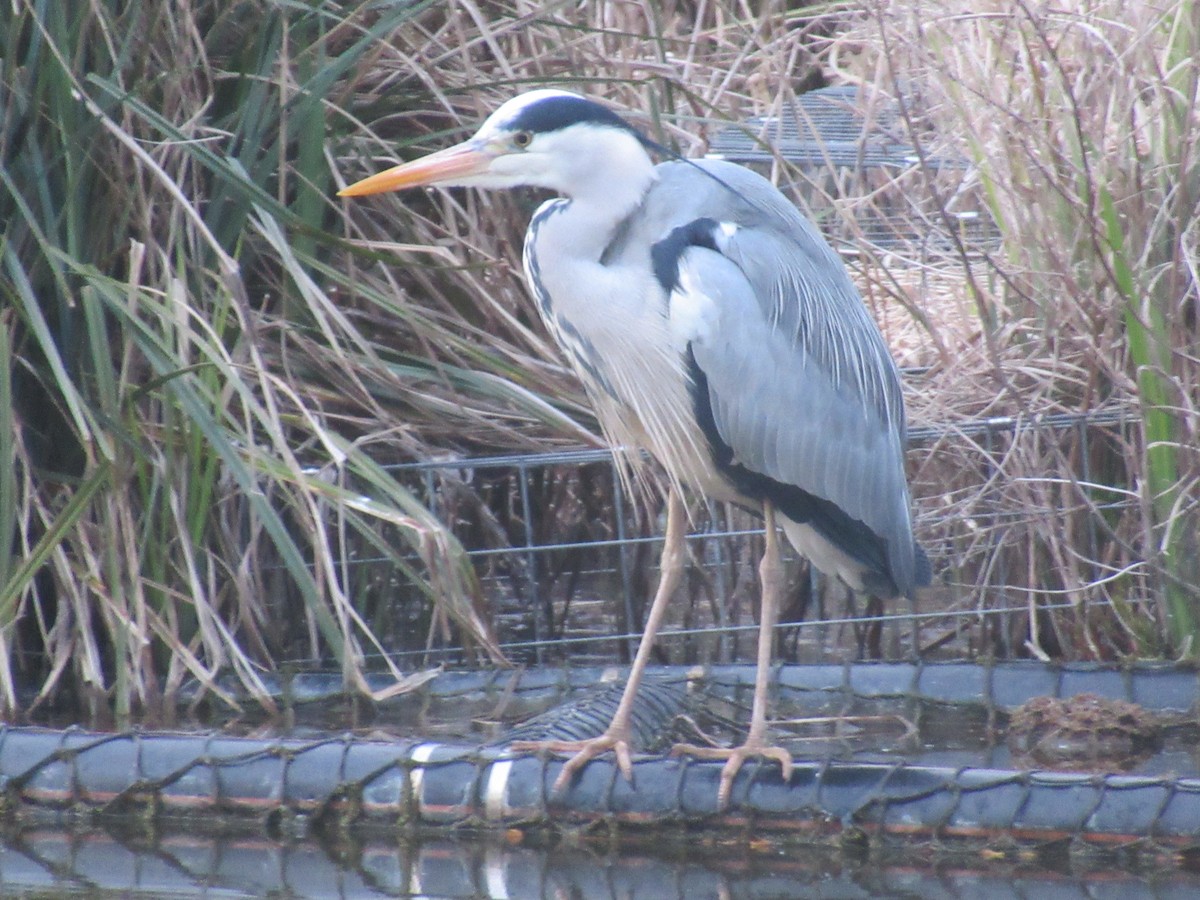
(568, 560)
(845, 146)
(830, 126)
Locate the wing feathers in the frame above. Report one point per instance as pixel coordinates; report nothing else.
(802, 396)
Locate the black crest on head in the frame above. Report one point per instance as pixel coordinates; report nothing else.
(556, 112)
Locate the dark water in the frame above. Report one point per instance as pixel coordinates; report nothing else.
(40, 863)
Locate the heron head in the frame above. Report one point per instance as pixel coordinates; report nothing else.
(545, 138)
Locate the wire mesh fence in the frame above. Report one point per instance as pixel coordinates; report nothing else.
(853, 165)
(567, 558)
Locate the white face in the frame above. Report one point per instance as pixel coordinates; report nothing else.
(572, 151)
(529, 158)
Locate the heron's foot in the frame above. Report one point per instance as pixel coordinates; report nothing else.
(734, 758)
(583, 752)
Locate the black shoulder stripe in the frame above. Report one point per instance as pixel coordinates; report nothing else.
(665, 255)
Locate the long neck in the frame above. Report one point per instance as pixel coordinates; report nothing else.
(563, 261)
(567, 237)
(584, 302)
(604, 174)
(607, 312)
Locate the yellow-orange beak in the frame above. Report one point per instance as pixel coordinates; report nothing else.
(444, 167)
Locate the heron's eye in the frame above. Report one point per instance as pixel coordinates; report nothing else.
(522, 139)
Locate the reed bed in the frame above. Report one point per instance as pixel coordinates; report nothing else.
(211, 363)
(1080, 123)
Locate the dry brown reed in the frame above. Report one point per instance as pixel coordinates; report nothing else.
(1080, 123)
(230, 366)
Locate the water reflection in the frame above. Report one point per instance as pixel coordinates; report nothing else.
(49, 863)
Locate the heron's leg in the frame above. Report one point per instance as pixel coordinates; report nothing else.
(771, 575)
(618, 734)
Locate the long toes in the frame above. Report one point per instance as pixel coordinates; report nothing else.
(624, 762)
(585, 752)
(570, 767)
(735, 758)
(783, 758)
(728, 773)
(779, 754)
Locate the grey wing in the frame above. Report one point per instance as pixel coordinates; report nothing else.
(801, 394)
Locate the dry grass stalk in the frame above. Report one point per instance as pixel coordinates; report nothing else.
(1081, 122)
(243, 378)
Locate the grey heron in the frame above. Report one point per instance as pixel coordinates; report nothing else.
(713, 326)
